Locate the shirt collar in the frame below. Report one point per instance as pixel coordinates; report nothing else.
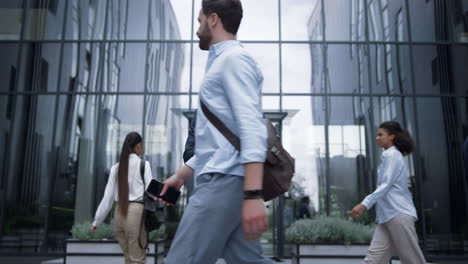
(133, 155)
(218, 48)
(388, 150)
(392, 147)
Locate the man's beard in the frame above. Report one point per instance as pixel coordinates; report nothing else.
(205, 39)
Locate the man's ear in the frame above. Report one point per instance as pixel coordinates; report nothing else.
(213, 19)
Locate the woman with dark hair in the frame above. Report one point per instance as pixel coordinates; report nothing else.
(129, 196)
(393, 202)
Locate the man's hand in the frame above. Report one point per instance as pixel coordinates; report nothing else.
(357, 211)
(254, 218)
(174, 181)
(93, 228)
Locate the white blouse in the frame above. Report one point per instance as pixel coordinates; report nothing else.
(392, 195)
(135, 187)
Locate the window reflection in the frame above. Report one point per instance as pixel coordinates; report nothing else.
(442, 200)
(307, 149)
(339, 72)
(296, 17)
(296, 67)
(57, 149)
(259, 21)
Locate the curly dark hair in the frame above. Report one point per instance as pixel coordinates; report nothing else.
(403, 141)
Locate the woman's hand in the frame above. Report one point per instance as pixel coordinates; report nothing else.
(357, 211)
(93, 228)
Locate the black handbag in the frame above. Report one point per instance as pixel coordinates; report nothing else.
(150, 218)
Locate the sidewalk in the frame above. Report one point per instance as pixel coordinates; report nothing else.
(284, 261)
(41, 260)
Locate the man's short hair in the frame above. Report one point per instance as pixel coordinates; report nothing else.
(230, 12)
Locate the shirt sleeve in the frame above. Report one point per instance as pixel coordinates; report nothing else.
(107, 200)
(192, 162)
(242, 81)
(148, 174)
(392, 167)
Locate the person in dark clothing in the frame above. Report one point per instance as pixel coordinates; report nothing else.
(304, 211)
(465, 155)
(190, 143)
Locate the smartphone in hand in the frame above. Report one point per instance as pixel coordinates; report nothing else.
(155, 187)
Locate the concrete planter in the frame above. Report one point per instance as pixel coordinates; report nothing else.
(106, 251)
(324, 254)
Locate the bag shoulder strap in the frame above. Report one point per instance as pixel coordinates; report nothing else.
(222, 128)
(142, 173)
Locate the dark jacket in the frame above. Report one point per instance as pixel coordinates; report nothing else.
(190, 143)
(465, 154)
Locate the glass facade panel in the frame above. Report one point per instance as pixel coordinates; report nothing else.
(440, 69)
(309, 150)
(199, 58)
(40, 20)
(77, 76)
(183, 16)
(387, 20)
(296, 67)
(95, 20)
(12, 20)
(348, 156)
(459, 70)
(427, 15)
(460, 21)
(9, 67)
(390, 69)
(346, 69)
(270, 103)
(164, 123)
(337, 20)
(344, 20)
(299, 18)
(266, 56)
(441, 195)
(259, 21)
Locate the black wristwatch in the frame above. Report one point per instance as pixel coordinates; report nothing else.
(253, 194)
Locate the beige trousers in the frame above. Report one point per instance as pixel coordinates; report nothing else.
(397, 235)
(127, 232)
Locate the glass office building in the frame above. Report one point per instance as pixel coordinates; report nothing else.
(77, 76)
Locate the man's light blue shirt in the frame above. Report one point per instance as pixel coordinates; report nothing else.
(232, 91)
(392, 195)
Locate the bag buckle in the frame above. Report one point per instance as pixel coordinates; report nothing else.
(275, 150)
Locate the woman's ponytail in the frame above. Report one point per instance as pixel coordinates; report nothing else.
(131, 140)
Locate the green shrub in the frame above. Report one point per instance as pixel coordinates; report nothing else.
(82, 231)
(328, 230)
(158, 234)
